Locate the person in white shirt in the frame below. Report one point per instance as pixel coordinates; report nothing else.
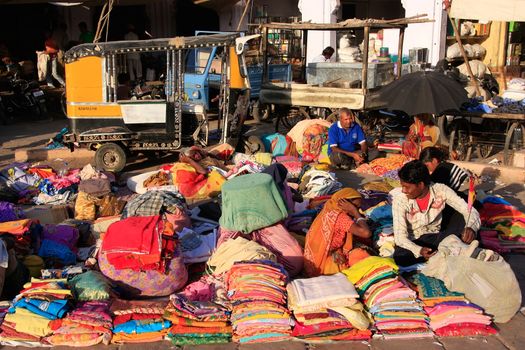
(325, 56)
(133, 59)
(417, 208)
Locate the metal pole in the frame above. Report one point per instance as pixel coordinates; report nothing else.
(400, 52)
(264, 39)
(364, 72)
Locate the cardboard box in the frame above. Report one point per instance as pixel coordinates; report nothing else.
(47, 214)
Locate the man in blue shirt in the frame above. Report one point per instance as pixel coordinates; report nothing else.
(346, 141)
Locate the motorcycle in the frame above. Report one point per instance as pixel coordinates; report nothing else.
(24, 97)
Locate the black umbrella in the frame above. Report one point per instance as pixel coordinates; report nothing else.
(423, 92)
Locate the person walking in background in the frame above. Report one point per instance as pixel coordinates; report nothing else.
(85, 35)
(52, 66)
(133, 58)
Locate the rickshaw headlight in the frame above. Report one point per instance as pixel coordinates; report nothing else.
(196, 94)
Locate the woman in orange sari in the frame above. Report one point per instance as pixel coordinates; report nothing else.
(330, 238)
(422, 134)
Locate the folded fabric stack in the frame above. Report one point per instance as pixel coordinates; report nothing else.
(257, 290)
(451, 314)
(394, 305)
(37, 304)
(138, 321)
(506, 226)
(197, 322)
(86, 325)
(326, 308)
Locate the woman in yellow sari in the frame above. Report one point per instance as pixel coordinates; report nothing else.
(330, 238)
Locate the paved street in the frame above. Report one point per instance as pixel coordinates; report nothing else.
(33, 135)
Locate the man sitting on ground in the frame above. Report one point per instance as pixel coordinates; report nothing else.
(346, 141)
(417, 210)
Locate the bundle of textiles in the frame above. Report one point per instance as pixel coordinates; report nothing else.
(197, 322)
(89, 323)
(236, 250)
(450, 313)
(138, 321)
(315, 183)
(40, 185)
(29, 317)
(394, 305)
(505, 226)
(257, 291)
(381, 216)
(382, 166)
(276, 239)
(326, 308)
(292, 164)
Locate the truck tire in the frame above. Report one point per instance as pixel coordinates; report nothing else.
(110, 157)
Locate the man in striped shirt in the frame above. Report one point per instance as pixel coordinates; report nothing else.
(442, 171)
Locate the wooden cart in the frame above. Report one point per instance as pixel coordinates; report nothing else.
(485, 132)
(297, 100)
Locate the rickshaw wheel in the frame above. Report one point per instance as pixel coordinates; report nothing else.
(110, 157)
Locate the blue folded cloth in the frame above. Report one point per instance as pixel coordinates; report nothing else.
(141, 326)
(51, 310)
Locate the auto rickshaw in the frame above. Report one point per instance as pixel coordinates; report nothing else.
(104, 118)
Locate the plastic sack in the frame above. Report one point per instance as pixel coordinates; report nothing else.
(491, 285)
(91, 285)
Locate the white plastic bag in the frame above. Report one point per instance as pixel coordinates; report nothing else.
(489, 284)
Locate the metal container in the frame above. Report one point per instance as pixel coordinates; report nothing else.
(379, 74)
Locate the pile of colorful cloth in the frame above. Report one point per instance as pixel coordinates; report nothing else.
(32, 311)
(197, 322)
(138, 321)
(326, 308)
(450, 313)
(257, 291)
(394, 305)
(89, 323)
(505, 226)
(382, 166)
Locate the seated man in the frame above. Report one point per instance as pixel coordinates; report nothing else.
(417, 210)
(346, 141)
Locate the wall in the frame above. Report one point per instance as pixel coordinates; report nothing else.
(230, 16)
(319, 11)
(430, 35)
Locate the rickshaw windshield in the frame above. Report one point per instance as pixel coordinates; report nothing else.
(197, 60)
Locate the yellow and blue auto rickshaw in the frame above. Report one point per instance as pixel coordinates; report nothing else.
(103, 116)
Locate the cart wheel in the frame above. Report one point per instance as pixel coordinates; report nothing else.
(260, 111)
(444, 129)
(293, 116)
(333, 116)
(514, 141)
(110, 157)
(460, 141)
(253, 144)
(484, 151)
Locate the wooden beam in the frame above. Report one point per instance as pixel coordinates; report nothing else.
(400, 52)
(463, 53)
(364, 72)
